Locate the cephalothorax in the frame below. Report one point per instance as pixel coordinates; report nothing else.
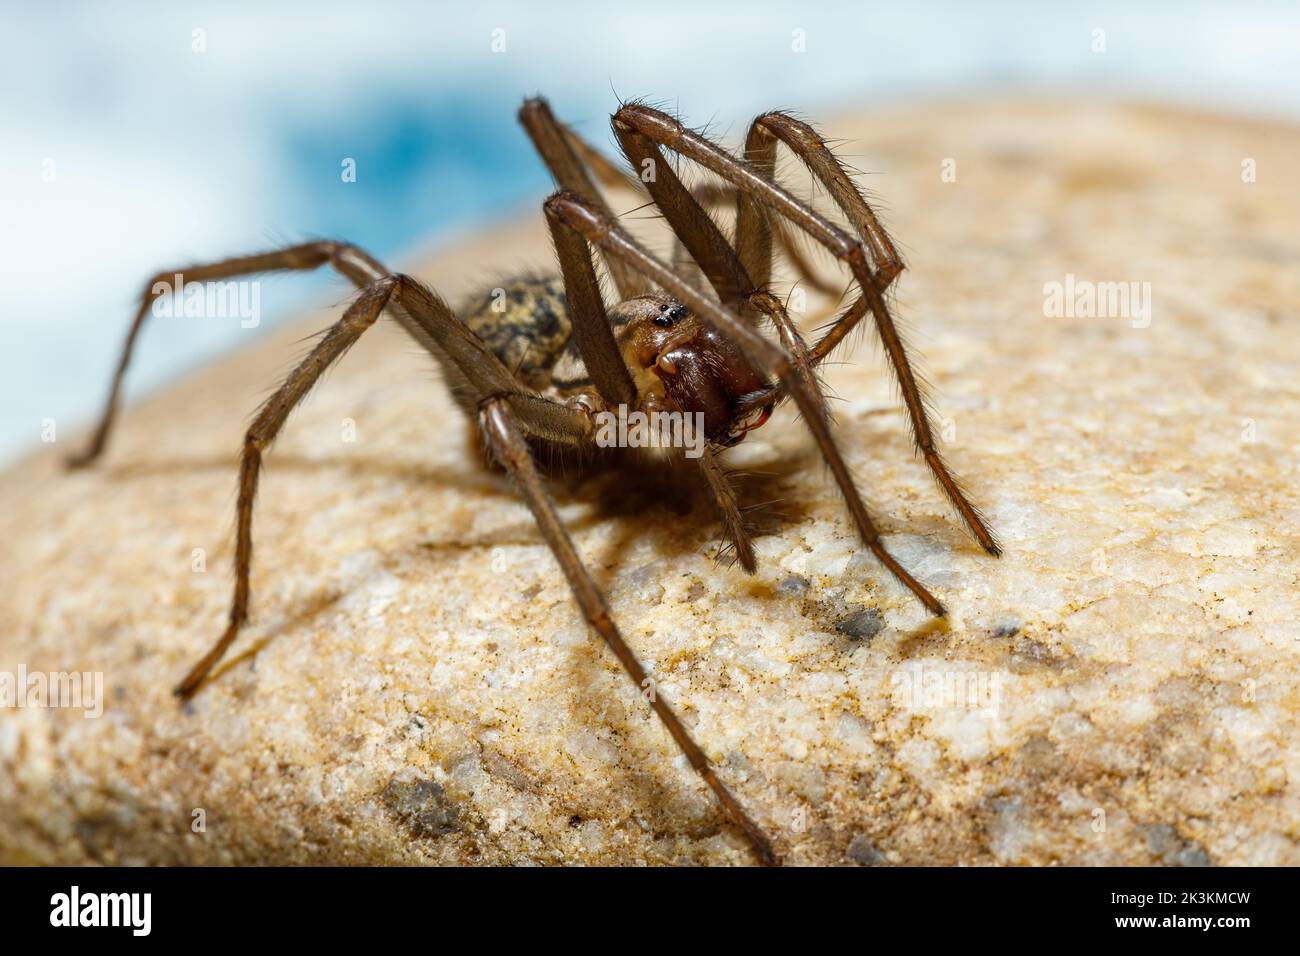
(535, 362)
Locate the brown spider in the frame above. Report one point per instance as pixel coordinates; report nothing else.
(536, 373)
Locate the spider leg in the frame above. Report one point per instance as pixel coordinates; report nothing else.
(711, 195)
(349, 260)
(572, 160)
(512, 452)
(591, 329)
(602, 232)
(754, 226)
(692, 225)
(642, 130)
(789, 335)
(270, 418)
(811, 149)
(733, 521)
(569, 158)
(434, 325)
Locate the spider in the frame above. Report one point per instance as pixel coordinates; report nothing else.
(686, 336)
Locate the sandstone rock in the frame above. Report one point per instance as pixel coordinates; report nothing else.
(418, 687)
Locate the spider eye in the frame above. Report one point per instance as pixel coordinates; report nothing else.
(668, 315)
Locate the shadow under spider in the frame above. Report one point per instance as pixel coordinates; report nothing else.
(662, 499)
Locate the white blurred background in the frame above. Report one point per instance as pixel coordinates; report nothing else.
(163, 154)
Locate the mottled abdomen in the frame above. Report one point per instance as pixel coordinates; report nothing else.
(525, 322)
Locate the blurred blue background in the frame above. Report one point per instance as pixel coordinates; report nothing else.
(163, 154)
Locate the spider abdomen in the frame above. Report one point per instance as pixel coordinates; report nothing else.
(525, 322)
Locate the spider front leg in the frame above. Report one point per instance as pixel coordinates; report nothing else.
(508, 446)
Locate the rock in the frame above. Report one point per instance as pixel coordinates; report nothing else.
(416, 685)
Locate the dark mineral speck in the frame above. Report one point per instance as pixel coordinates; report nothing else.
(421, 806)
(1171, 848)
(862, 625)
(794, 585)
(863, 851)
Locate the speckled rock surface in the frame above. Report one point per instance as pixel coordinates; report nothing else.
(417, 686)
